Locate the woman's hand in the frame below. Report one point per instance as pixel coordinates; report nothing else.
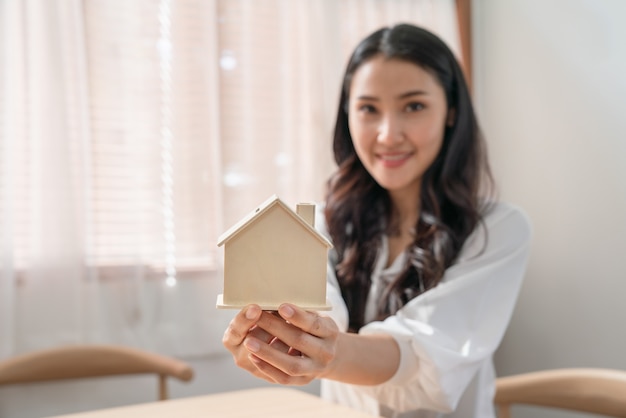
(242, 326)
(303, 346)
(293, 347)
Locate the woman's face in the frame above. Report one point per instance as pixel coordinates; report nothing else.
(397, 117)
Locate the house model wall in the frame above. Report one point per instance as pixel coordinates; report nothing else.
(273, 256)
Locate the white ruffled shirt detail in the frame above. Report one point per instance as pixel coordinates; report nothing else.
(447, 335)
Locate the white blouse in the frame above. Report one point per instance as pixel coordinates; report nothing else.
(447, 335)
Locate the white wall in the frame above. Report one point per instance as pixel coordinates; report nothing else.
(550, 85)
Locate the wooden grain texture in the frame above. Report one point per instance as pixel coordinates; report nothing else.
(598, 391)
(276, 402)
(82, 361)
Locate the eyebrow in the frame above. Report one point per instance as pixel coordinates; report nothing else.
(402, 96)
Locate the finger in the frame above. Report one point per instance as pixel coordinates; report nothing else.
(310, 322)
(293, 352)
(261, 334)
(272, 374)
(241, 354)
(289, 334)
(274, 324)
(284, 348)
(279, 345)
(282, 367)
(240, 325)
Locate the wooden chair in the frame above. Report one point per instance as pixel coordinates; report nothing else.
(596, 391)
(81, 361)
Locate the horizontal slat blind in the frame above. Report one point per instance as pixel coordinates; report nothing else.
(188, 114)
(152, 186)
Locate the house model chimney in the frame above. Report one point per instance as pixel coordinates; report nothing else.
(274, 255)
(307, 212)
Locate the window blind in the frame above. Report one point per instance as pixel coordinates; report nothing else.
(181, 116)
(153, 190)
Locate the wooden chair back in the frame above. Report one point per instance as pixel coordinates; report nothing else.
(82, 361)
(596, 391)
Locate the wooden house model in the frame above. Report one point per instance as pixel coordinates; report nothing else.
(274, 255)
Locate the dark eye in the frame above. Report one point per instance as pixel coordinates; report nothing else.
(367, 108)
(414, 106)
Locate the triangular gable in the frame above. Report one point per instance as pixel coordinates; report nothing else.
(263, 207)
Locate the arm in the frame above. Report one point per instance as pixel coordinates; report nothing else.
(327, 351)
(422, 357)
(324, 352)
(367, 359)
(449, 333)
(244, 328)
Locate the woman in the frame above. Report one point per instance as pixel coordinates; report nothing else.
(426, 266)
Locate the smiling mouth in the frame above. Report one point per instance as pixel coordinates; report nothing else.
(394, 160)
(395, 157)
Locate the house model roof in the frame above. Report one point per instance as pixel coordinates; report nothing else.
(274, 255)
(255, 214)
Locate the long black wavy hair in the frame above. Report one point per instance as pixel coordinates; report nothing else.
(455, 190)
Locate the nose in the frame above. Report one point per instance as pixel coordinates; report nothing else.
(390, 131)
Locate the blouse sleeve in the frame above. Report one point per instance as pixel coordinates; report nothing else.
(339, 311)
(446, 333)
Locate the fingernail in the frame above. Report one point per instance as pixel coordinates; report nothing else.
(252, 345)
(286, 311)
(252, 312)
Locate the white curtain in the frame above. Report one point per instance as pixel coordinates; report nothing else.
(132, 133)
